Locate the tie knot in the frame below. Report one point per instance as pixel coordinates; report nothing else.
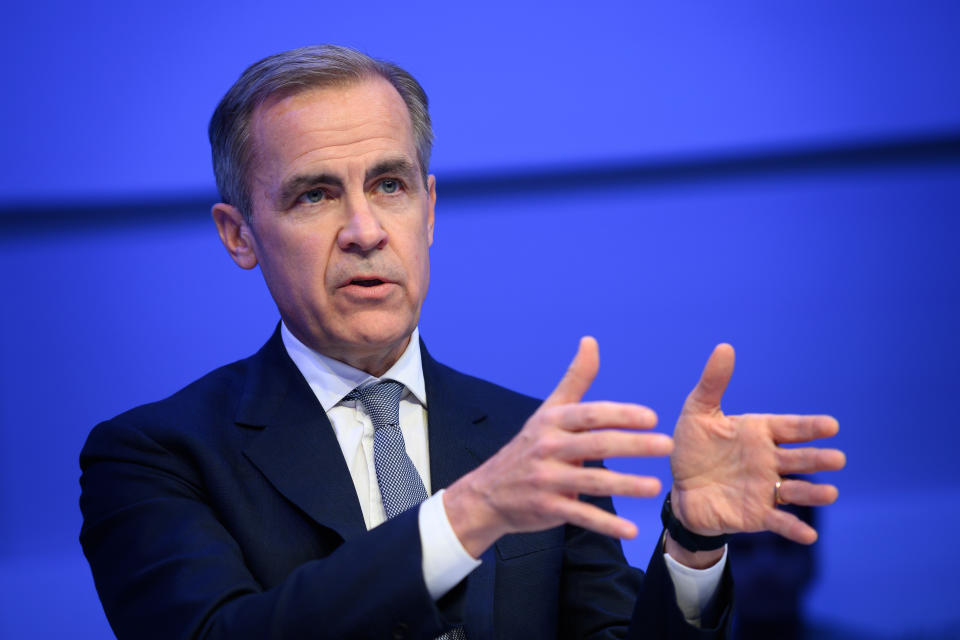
(381, 401)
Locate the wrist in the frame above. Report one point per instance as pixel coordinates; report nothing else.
(685, 538)
(473, 522)
(693, 559)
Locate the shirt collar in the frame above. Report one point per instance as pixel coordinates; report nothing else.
(331, 379)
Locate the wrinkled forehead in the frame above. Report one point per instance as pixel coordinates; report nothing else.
(331, 115)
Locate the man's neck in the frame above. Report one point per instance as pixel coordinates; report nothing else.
(332, 379)
(375, 362)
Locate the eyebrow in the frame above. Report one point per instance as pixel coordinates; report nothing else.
(400, 166)
(299, 183)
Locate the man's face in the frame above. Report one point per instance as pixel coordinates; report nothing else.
(342, 221)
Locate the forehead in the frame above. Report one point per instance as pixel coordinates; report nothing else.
(355, 122)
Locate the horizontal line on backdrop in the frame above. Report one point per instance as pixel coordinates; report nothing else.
(942, 149)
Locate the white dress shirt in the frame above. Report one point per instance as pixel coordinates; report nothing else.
(445, 561)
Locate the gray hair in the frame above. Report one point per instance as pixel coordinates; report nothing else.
(291, 72)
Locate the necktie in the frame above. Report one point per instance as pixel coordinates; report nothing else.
(400, 485)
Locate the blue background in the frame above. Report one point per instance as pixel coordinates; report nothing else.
(663, 176)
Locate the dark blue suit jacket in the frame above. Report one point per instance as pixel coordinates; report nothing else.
(227, 511)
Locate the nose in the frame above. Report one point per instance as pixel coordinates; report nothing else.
(362, 230)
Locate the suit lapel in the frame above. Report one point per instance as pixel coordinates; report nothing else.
(456, 421)
(460, 440)
(297, 449)
(298, 452)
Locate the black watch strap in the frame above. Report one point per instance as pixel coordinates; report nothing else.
(684, 537)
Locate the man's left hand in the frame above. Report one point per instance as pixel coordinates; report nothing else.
(725, 468)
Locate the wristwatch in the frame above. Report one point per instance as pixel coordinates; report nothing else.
(684, 537)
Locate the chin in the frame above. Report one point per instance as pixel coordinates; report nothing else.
(383, 333)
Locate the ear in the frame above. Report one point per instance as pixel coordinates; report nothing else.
(235, 234)
(431, 203)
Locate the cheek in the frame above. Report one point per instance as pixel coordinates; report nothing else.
(297, 265)
(424, 266)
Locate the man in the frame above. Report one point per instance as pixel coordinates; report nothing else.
(272, 497)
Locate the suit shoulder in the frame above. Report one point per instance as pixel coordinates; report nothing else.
(200, 405)
(488, 393)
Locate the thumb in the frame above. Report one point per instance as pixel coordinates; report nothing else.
(713, 382)
(579, 375)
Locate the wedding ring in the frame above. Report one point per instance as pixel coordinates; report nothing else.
(776, 494)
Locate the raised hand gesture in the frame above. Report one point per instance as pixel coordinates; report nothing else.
(728, 470)
(533, 482)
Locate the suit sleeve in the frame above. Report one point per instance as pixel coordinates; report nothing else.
(165, 566)
(658, 616)
(603, 597)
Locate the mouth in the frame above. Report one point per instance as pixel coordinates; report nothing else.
(367, 282)
(367, 287)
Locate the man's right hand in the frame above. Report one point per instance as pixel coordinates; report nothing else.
(533, 482)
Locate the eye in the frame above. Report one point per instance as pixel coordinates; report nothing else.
(389, 185)
(313, 196)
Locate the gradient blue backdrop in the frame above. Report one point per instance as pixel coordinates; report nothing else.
(616, 169)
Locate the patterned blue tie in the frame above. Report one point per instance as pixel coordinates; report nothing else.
(400, 485)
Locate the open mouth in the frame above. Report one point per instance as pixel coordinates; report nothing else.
(372, 282)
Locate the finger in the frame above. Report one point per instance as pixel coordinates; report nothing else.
(786, 428)
(579, 376)
(588, 416)
(713, 382)
(790, 527)
(599, 445)
(597, 481)
(807, 494)
(809, 460)
(594, 518)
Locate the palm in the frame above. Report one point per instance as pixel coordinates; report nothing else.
(725, 467)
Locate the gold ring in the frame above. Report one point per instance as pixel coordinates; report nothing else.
(776, 494)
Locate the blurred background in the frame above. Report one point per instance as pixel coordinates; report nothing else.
(665, 176)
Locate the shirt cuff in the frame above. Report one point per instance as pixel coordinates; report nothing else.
(445, 561)
(695, 588)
